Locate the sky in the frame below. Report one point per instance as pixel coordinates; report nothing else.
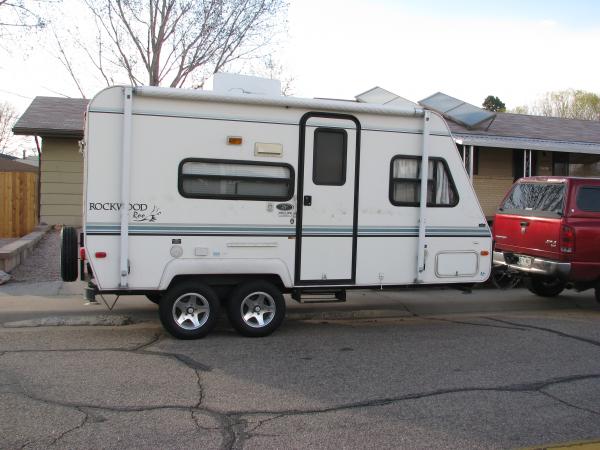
(516, 50)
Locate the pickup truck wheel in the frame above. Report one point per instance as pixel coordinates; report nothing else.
(546, 287)
(189, 311)
(68, 254)
(256, 309)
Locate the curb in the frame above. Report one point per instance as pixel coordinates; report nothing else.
(72, 321)
(14, 253)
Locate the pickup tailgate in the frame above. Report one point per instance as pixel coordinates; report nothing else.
(530, 218)
(534, 236)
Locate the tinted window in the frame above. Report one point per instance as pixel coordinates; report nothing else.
(535, 197)
(329, 156)
(405, 183)
(235, 180)
(588, 199)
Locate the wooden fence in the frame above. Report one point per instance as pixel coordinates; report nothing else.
(18, 203)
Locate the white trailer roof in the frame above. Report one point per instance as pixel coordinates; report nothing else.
(290, 102)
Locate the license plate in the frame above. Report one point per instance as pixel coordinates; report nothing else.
(525, 261)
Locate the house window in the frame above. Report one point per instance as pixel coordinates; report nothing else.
(405, 182)
(329, 156)
(229, 179)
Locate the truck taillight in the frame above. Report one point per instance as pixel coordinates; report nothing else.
(82, 253)
(567, 239)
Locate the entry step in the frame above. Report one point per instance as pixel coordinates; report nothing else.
(319, 296)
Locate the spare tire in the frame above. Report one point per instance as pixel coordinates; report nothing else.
(68, 254)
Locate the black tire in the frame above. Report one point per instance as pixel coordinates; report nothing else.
(154, 298)
(198, 297)
(546, 287)
(597, 293)
(68, 254)
(256, 294)
(503, 278)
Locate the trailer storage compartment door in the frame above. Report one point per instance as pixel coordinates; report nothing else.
(327, 186)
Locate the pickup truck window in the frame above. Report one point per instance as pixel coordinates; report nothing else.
(538, 197)
(588, 199)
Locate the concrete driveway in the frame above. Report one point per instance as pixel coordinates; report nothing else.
(418, 369)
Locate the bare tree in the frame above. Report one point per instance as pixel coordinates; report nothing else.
(173, 42)
(21, 15)
(8, 117)
(570, 104)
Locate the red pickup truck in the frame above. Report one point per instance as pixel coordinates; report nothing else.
(547, 230)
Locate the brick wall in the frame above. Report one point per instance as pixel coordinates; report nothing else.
(490, 192)
(494, 178)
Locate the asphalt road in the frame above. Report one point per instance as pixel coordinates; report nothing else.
(438, 369)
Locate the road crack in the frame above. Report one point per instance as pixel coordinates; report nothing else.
(234, 430)
(548, 330)
(569, 404)
(70, 430)
(149, 343)
(462, 322)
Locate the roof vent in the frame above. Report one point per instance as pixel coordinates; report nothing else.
(230, 83)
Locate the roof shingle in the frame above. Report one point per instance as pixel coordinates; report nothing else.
(53, 116)
(535, 127)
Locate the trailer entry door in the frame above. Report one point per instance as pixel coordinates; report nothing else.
(327, 199)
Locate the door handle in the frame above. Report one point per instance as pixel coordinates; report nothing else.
(524, 224)
(307, 200)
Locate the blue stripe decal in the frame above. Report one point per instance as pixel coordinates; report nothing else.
(168, 229)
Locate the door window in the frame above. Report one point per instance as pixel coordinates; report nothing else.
(329, 156)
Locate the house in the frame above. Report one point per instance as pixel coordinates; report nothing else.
(504, 147)
(59, 123)
(496, 150)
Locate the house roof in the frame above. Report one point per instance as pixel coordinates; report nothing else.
(10, 165)
(521, 131)
(53, 116)
(64, 117)
(536, 127)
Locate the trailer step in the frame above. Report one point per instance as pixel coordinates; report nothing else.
(319, 296)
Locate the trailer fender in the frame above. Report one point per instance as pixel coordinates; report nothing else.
(224, 267)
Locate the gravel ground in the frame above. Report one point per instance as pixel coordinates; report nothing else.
(44, 263)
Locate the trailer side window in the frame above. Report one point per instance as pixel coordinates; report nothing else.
(241, 180)
(405, 182)
(329, 156)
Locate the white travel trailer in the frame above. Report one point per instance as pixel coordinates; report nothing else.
(201, 198)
